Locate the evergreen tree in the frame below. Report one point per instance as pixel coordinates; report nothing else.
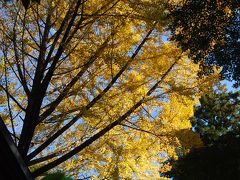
(218, 114)
(220, 161)
(217, 121)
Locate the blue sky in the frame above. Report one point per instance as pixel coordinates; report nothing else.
(229, 85)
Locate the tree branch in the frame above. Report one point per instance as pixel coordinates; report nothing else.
(101, 132)
(94, 101)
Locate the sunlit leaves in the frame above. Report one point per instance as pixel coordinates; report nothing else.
(111, 58)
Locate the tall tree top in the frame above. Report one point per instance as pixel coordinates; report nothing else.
(210, 31)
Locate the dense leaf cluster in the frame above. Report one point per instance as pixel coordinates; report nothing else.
(218, 114)
(210, 31)
(227, 54)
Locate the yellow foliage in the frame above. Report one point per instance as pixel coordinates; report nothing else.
(111, 32)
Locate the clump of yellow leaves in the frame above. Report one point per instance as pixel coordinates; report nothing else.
(153, 133)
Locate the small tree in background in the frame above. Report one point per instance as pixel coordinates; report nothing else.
(218, 115)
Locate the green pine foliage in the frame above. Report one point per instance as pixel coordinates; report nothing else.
(218, 115)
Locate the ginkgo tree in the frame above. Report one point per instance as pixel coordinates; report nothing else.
(89, 87)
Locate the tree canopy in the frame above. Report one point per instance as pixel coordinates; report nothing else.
(210, 31)
(90, 88)
(226, 54)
